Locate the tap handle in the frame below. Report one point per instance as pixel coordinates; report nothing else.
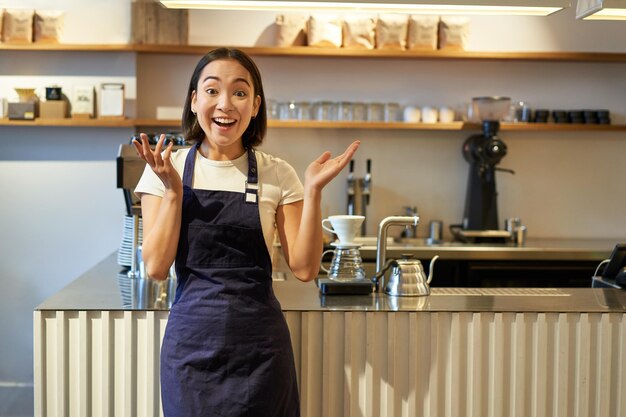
(351, 166)
(367, 182)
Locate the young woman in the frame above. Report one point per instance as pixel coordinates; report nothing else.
(214, 209)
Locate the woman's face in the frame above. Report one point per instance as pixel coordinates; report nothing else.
(225, 102)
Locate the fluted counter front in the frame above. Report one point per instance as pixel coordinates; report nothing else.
(458, 352)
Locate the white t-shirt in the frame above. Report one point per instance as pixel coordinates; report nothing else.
(278, 182)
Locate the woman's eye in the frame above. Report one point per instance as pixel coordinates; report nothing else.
(211, 91)
(240, 93)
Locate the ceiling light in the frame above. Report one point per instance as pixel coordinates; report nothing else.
(601, 10)
(438, 7)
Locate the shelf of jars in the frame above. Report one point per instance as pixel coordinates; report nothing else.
(315, 124)
(304, 51)
(453, 126)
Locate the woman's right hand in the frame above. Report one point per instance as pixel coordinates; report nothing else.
(160, 161)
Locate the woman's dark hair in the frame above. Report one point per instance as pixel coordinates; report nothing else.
(254, 134)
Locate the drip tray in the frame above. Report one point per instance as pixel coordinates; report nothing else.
(515, 292)
(361, 287)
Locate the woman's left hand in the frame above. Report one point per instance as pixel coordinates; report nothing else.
(321, 171)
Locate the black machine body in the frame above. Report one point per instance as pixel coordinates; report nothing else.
(483, 152)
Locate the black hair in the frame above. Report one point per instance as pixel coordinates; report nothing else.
(255, 132)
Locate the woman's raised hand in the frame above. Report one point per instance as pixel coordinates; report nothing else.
(321, 171)
(159, 161)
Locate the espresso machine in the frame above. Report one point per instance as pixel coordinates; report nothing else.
(484, 152)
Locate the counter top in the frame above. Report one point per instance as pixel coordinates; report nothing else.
(107, 287)
(533, 249)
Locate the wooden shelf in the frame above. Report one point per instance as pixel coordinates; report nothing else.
(303, 51)
(43, 47)
(560, 127)
(537, 127)
(158, 122)
(70, 122)
(314, 124)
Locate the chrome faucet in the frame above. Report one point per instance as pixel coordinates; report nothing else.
(381, 249)
(410, 232)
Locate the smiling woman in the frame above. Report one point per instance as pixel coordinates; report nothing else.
(214, 209)
(225, 82)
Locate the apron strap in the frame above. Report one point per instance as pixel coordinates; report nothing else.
(190, 163)
(252, 184)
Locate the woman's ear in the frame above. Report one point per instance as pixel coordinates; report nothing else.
(193, 101)
(257, 105)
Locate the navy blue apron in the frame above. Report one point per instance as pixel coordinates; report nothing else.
(226, 349)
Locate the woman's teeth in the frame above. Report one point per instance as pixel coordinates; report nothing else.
(222, 121)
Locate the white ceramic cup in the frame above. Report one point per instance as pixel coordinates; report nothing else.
(446, 114)
(345, 226)
(412, 114)
(430, 114)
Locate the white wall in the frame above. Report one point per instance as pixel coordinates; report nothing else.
(61, 212)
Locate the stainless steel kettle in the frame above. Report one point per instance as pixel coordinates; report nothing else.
(407, 277)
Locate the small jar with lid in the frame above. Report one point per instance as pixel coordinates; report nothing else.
(303, 109)
(273, 109)
(375, 112)
(391, 112)
(325, 110)
(359, 112)
(344, 111)
(288, 111)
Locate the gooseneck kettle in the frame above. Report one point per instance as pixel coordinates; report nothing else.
(407, 276)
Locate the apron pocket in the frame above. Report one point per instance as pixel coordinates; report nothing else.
(220, 246)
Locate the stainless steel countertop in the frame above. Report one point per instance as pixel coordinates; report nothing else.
(104, 287)
(533, 250)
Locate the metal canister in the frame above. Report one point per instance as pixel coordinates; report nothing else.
(435, 231)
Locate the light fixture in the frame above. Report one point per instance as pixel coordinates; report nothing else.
(601, 10)
(438, 7)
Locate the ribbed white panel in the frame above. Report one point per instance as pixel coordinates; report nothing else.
(356, 364)
(92, 363)
(462, 364)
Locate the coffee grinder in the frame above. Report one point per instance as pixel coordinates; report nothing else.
(484, 152)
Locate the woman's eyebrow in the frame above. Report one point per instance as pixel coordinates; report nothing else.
(213, 77)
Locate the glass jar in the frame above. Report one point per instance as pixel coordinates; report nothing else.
(288, 111)
(325, 110)
(391, 112)
(273, 109)
(375, 112)
(344, 111)
(303, 109)
(359, 112)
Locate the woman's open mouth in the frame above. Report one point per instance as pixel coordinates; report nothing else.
(224, 121)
